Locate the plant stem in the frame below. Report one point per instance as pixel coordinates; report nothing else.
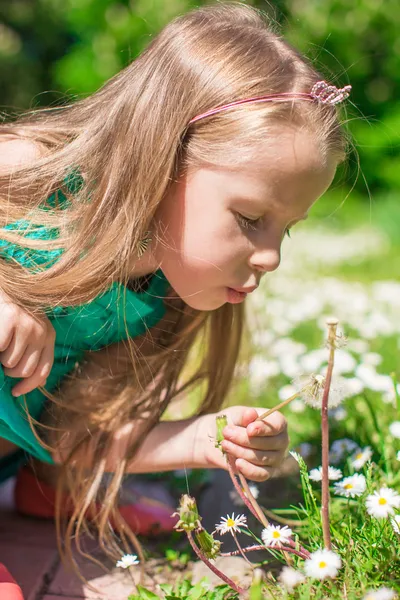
(212, 567)
(332, 325)
(240, 548)
(280, 405)
(231, 469)
(261, 516)
(261, 547)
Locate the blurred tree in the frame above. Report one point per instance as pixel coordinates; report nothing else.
(53, 51)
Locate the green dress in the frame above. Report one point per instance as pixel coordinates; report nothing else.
(78, 329)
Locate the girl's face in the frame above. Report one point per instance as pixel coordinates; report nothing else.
(210, 245)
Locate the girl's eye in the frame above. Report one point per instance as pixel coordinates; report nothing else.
(248, 223)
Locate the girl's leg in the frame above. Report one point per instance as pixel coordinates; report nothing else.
(146, 506)
(9, 589)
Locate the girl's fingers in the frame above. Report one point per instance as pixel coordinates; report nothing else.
(5, 340)
(26, 365)
(40, 374)
(257, 457)
(240, 436)
(15, 351)
(253, 472)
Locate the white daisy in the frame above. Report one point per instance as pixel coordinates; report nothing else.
(394, 429)
(333, 474)
(382, 593)
(361, 457)
(395, 523)
(381, 503)
(274, 534)
(231, 524)
(128, 560)
(290, 578)
(350, 487)
(322, 563)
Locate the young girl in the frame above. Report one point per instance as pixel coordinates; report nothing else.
(134, 222)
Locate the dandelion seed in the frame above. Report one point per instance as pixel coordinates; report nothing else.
(361, 457)
(322, 564)
(313, 387)
(381, 503)
(350, 487)
(128, 560)
(394, 429)
(395, 523)
(333, 474)
(383, 593)
(274, 534)
(290, 578)
(231, 524)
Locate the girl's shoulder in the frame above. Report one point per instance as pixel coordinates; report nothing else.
(16, 152)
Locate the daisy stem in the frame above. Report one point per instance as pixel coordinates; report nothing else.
(332, 325)
(240, 548)
(261, 547)
(280, 405)
(212, 567)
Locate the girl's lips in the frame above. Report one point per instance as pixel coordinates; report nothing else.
(235, 297)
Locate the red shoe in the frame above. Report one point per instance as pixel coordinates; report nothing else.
(144, 515)
(9, 588)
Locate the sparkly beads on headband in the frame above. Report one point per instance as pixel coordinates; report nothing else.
(321, 92)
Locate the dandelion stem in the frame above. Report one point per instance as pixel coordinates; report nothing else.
(280, 405)
(332, 325)
(232, 472)
(212, 567)
(261, 516)
(261, 547)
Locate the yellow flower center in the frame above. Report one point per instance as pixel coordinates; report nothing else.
(348, 486)
(358, 456)
(230, 522)
(322, 564)
(382, 501)
(276, 535)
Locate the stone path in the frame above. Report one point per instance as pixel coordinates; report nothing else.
(28, 549)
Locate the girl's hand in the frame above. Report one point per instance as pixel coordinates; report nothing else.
(26, 346)
(258, 447)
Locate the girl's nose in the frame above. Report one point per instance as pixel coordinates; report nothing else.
(267, 260)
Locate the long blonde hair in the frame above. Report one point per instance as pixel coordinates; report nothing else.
(131, 141)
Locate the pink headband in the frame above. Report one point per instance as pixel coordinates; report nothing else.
(321, 91)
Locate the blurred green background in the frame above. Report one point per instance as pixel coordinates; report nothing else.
(57, 50)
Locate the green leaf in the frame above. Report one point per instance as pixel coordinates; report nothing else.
(166, 588)
(146, 594)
